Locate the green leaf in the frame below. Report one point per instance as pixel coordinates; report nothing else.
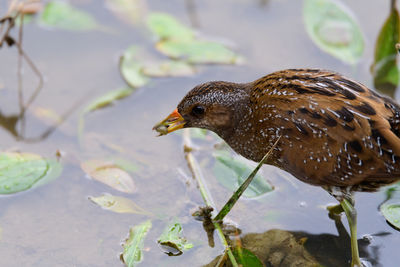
(169, 68)
(231, 172)
(21, 171)
(333, 29)
(166, 26)
(110, 174)
(64, 16)
(199, 52)
(133, 246)
(391, 212)
(118, 204)
(386, 74)
(131, 68)
(108, 99)
(172, 242)
(247, 258)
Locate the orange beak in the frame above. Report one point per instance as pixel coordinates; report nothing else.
(173, 122)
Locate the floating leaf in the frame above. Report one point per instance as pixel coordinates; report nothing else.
(108, 99)
(333, 29)
(131, 11)
(133, 246)
(231, 172)
(199, 52)
(167, 27)
(170, 68)
(131, 68)
(172, 242)
(118, 204)
(64, 16)
(21, 171)
(101, 102)
(391, 212)
(110, 174)
(386, 74)
(247, 258)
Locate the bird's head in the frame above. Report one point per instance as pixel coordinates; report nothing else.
(212, 106)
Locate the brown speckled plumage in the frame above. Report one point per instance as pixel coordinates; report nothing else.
(334, 132)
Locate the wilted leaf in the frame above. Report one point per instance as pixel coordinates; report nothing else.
(133, 246)
(131, 68)
(172, 242)
(118, 204)
(110, 174)
(247, 258)
(231, 173)
(333, 29)
(108, 99)
(64, 16)
(391, 212)
(168, 68)
(21, 171)
(131, 11)
(199, 52)
(167, 27)
(386, 74)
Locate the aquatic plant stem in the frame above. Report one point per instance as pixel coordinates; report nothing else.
(198, 176)
(235, 197)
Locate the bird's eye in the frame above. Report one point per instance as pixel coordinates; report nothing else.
(197, 110)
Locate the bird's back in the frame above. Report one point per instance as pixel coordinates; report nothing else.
(334, 131)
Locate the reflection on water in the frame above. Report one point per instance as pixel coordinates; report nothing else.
(56, 225)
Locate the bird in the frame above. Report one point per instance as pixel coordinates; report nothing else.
(333, 132)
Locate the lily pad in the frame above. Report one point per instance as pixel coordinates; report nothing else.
(334, 29)
(133, 246)
(166, 26)
(118, 204)
(231, 173)
(131, 68)
(21, 171)
(170, 68)
(391, 212)
(62, 15)
(172, 242)
(199, 52)
(110, 174)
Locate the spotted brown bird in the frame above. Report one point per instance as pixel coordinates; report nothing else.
(334, 132)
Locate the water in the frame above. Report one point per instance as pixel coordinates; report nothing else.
(56, 225)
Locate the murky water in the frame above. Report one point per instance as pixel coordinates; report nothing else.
(56, 225)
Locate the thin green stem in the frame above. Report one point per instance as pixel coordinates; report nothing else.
(198, 176)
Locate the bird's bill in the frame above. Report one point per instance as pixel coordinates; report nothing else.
(173, 122)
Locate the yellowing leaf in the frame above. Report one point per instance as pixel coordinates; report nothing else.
(109, 174)
(118, 204)
(168, 68)
(131, 11)
(199, 52)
